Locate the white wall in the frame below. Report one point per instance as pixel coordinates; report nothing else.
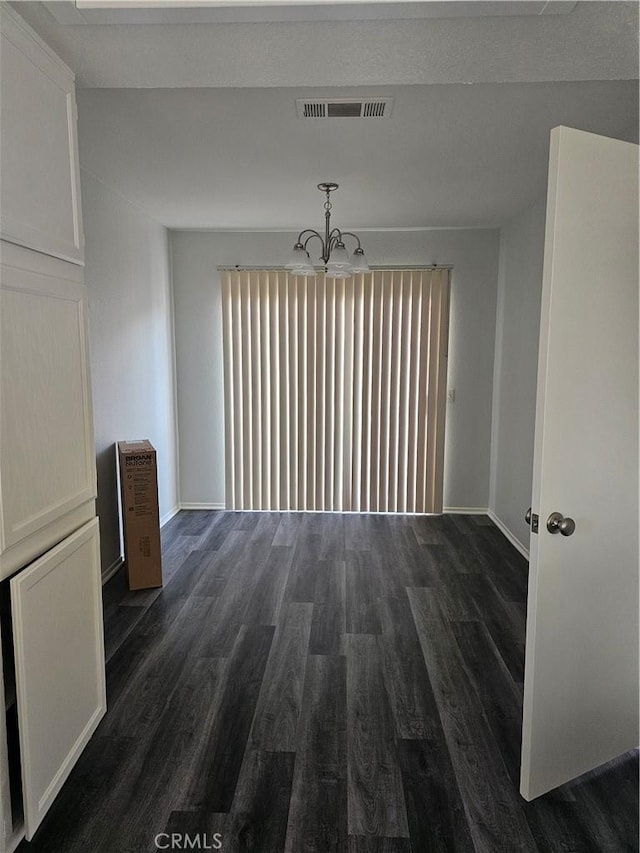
(198, 330)
(131, 345)
(516, 364)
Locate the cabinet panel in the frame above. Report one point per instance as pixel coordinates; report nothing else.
(46, 449)
(60, 677)
(40, 205)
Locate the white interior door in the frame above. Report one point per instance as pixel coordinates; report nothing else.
(581, 672)
(59, 650)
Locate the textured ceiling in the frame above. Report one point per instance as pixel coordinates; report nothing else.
(596, 41)
(196, 123)
(450, 155)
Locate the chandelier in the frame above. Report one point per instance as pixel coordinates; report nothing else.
(334, 257)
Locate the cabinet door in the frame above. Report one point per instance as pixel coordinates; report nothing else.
(47, 463)
(60, 672)
(40, 204)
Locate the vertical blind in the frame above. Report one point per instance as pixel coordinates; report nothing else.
(335, 390)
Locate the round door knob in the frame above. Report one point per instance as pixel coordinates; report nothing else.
(527, 516)
(557, 523)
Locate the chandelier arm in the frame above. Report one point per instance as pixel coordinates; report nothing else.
(310, 231)
(351, 234)
(312, 234)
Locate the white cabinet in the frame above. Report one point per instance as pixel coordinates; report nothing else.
(52, 689)
(47, 461)
(59, 653)
(40, 203)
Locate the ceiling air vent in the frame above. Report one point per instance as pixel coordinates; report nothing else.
(343, 107)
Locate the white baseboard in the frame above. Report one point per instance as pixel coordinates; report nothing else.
(169, 515)
(502, 527)
(456, 510)
(466, 510)
(201, 506)
(110, 572)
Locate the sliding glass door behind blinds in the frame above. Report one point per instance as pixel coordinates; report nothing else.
(335, 390)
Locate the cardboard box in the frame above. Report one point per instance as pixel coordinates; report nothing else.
(140, 516)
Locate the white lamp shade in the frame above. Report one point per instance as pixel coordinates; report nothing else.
(299, 257)
(340, 258)
(359, 262)
(337, 272)
(307, 270)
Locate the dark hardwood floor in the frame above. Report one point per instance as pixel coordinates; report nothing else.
(313, 683)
